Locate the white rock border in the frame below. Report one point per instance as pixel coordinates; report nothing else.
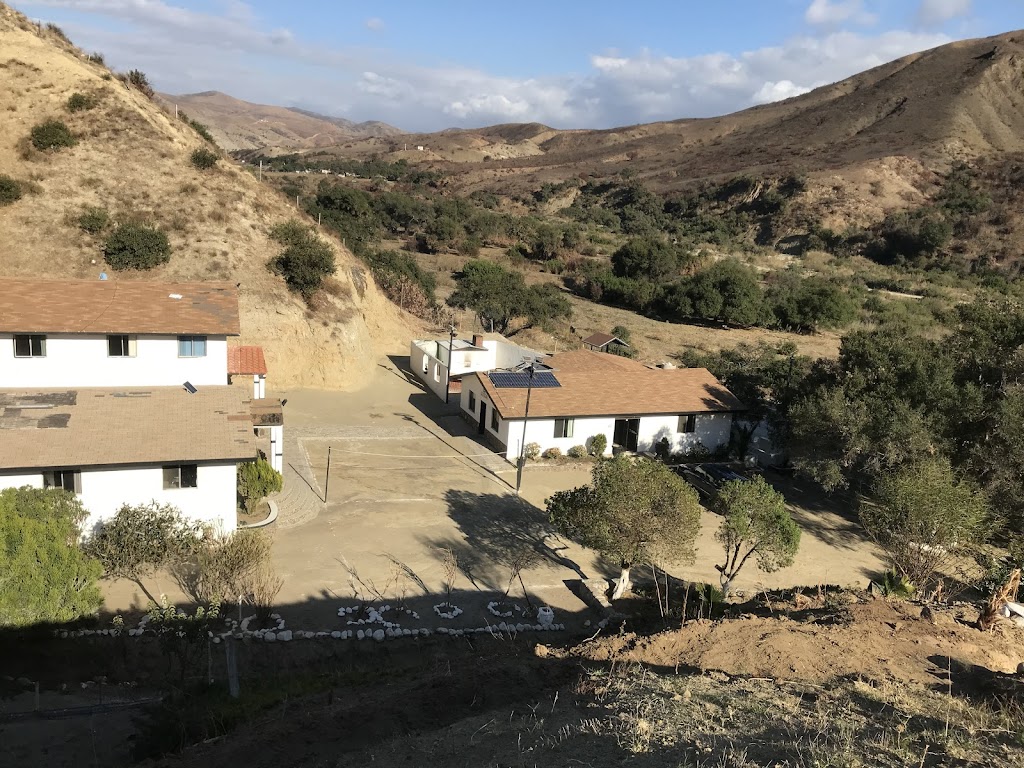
(447, 610)
(492, 608)
(239, 630)
(375, 615)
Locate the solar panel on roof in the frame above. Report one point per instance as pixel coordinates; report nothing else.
(522, 380)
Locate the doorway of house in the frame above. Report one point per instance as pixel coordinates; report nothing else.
(483, 418)
(627, 435)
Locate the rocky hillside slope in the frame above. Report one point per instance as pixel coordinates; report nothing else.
(132, 158)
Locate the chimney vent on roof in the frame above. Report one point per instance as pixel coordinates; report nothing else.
(667, 366)
(478, 340)
(173, 295)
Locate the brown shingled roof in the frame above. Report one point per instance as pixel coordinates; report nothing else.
(599, 384)
(602, 339)
(132, 425)
(246, 360)
(117, 306)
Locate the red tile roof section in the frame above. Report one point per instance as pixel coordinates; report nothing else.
(246, 360)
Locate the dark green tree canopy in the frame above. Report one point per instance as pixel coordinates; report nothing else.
(136, 246)
(44, 576)
(306, 259)
(635, 510)
(499, 296)
(755, 522)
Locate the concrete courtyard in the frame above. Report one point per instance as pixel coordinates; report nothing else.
(408, 480)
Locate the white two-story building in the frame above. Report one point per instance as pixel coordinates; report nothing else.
(587, 393)
(429, 359)
(118, 391)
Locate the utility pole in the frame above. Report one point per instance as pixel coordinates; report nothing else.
(261, 170)
(327, 477)
(448, 370)
(526, 417)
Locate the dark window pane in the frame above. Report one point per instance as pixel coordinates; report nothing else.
(189, 475)
(117, 346)
(22, 346)
(172, 478)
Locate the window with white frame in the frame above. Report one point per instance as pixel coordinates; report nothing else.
(181, 476)
(29, 345)
(472, 401)
(191, 346)
(687, 423)
(563, 427)
(64, 479)
(120, 345)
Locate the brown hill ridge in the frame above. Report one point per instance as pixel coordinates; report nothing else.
(132, 159)
(237, 124)
(963, 100)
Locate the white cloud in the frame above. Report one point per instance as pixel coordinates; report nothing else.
(934, 12)
(375, 24)
(833, 13)
(185, 51)
(783, 89)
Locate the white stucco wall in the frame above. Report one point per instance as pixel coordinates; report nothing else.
(542, 432)
(429, 360)
(106, 489)
(711, 430)
(12, 480)
(81, 360)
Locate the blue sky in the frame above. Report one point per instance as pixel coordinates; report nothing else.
(430, 65)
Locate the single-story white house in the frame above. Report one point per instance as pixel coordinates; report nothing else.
(428, 359)
(587, 393)
(130, 445)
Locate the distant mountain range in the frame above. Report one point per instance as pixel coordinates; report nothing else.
(237, 124)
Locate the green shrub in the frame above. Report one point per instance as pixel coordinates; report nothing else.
(46, 576)
(532, 451)
(204, 159)
(10, 190)
(139, 541)
(577, 452)
(138, 79)
(895, 585)
(79, 102)
(306, 259)
(93, 220)
(52, 134)
(58, 33)
(97, 58)
(136, 246)
(598, 444)
(256, 481)
(198, 127)
(552, 453)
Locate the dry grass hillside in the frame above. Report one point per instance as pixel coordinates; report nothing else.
(959, 101)
(237, 124)
(132, 159)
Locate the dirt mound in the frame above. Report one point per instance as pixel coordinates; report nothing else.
(132, 159)
(876, 640)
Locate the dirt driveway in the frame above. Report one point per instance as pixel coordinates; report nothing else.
(408, 480)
